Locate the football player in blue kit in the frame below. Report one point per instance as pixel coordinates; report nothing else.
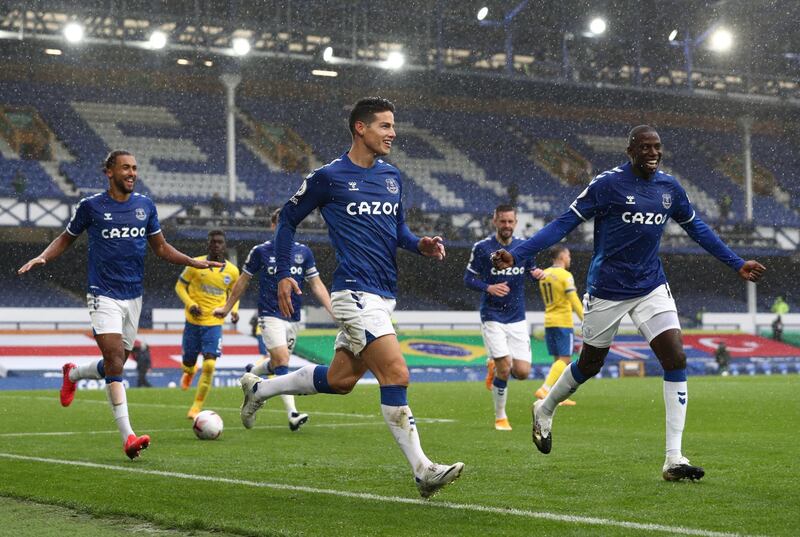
(503, 325)
(120, 225)
(278, 333)
(630, 205)
(359, 196)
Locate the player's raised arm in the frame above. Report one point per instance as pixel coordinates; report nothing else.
(703, 235)
(53, 250)
(169, 253)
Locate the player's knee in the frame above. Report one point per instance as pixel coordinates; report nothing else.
(674, 362)
(521, 372)
(591, 361)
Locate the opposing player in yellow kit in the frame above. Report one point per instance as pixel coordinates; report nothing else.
(202, 290)
(560, 300)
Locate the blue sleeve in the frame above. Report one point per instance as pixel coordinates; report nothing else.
(474, 283)
(705, 237)
(547, 236)
(405, 238)
(593, 201)
(81, 220)
(309, 196)
(478, 263)
(253, 262)
(153, 225)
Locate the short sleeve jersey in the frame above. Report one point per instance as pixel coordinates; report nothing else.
(554, 288)
(118, 232)
(509, 308)
(630, 214)
(262, 261)
(209, 288)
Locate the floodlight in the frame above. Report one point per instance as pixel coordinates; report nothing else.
(721, 40)
(73, 32)
(324, 72)
(53, 51)
(395, 60)
(482, 12)
(673, 34)
(327, 54)
(597, 26)
(158, 40)
(183, 61)
(241, 46)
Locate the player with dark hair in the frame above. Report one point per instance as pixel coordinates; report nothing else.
(359, 196)
(560, 300)
(278, 332)
(503, 325)
(202, 291)
(630, 205)
(120, 224)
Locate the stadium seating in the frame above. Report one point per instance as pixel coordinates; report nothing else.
(452, 162)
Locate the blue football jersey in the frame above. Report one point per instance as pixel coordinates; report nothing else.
(630, 214)
(118, 233)
(364, 213)
(505, 309)
(262, 261)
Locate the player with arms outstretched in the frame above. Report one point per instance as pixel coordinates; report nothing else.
(120, 225)
(560, 300)
(630, 205)
(279, 333)
(503, 325)
(359, 196)
(201, 291)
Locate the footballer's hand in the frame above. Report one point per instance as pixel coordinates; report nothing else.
(235, 317)
(538, 274)
(39, 260)
(220, 313)
(204, 264)
(432, 247)
(498, 289)
(195, 310)
(501, 259)
(286, 288)
(752, 271)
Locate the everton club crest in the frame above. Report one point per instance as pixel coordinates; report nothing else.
(666, 200)
(392, 186)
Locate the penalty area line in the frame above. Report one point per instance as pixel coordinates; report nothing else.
(543, 515)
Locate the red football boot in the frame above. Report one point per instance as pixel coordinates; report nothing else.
(136, 444)
(67, 386)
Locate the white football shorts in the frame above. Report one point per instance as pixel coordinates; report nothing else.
(652, 314)
(362, 318)
(112, 316)
(507, 339)
(278, 333)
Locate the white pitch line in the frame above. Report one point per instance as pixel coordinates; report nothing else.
(227, 409)
(182, 429)
(571, 519)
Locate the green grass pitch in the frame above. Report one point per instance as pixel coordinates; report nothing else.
(342, 474)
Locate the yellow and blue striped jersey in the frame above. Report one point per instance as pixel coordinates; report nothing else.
(560, 298)
(208, 289)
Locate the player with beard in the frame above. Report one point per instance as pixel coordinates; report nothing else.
(503, 325)
(631, 205)
(120, 224)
